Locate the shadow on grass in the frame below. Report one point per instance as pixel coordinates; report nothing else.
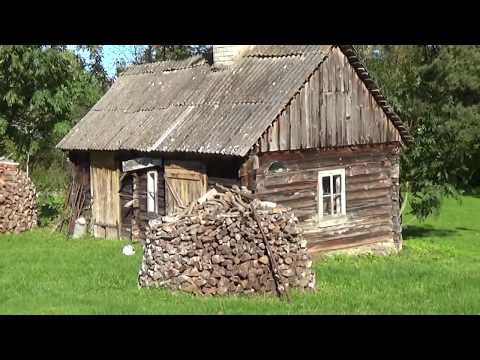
(474, 193)
(465, 229)
(412, 231)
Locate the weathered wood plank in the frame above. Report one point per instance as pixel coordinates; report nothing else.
(106, 202)
(331, 156)
(345, 244)
(314, 110)
(284, 130)
(331, 120)
(302, 107)
(273, 144)
(264, 143)
(294, 125)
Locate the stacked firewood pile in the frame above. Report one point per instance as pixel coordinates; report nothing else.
(216, 246)
(18, 210)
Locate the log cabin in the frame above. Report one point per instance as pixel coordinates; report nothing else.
(301, 125)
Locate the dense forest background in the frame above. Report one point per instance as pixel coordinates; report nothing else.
(46, 89)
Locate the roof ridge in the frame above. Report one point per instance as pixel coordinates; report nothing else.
(270, 56)
(280, 51)
(165, 65)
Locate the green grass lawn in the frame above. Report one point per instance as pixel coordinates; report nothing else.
(437, 273)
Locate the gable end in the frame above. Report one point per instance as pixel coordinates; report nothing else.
(337, 106)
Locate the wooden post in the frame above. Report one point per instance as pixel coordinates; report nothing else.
(135, 232)
(281, 290)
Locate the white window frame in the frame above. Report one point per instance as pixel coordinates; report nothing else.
(331, 174)
(152, 192)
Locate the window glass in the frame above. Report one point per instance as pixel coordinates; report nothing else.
(332, 196)
(337, 204)
(327, 205)
(152, 192)
(326, 185)
(277, 167)
(337, 184)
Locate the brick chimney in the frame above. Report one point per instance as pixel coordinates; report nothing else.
(226, 55)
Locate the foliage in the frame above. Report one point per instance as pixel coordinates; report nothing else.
(41, 88)
(436, 273)
(436, 91)
(50, 206)
(95, 64)
(44, 91)
(51, 182)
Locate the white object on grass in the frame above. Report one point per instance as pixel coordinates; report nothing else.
(128, 250)
(80, 228)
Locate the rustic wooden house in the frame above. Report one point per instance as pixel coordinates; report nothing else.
(301, 125)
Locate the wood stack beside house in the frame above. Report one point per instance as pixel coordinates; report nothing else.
(301, 125)
(18, 199)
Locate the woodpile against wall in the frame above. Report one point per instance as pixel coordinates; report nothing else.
(216, 247)
(18, 211)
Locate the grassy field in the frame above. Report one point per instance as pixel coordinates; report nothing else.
(437, 273)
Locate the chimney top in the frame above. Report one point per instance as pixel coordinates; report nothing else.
(226, 55)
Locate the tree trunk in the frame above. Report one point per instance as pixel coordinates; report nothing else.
(405, 200)
(28, 164)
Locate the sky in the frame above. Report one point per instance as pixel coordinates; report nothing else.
(110, 54)
(113, 52)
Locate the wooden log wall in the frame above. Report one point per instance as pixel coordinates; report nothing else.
(333, 108)
(372, 193)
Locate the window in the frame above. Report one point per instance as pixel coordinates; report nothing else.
(277, 167)
(331, 194)
(152, 186)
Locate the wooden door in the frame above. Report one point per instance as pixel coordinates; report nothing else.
(105, 186)
(185, 181)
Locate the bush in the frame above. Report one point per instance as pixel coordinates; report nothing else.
(50, 207)
(51, 183)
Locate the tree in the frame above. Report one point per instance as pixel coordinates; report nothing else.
(435, 89)
(141, 54)
(41, 87)
(95, 64)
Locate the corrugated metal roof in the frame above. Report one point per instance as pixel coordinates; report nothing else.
(190, 106)
(186, 106)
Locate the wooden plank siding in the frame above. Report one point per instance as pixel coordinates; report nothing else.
(105, 187)
(333, 108)
(186, 182)
(371, 174)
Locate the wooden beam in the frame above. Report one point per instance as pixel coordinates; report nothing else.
(140, 163)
